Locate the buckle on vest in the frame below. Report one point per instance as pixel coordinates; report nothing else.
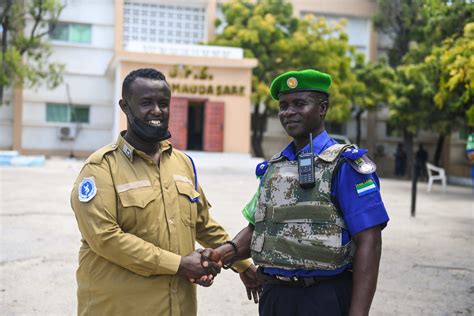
(284, 278)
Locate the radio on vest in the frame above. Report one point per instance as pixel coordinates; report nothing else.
(306, 167)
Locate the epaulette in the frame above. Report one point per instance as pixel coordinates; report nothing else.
(276, 157)
(354, 153)
(96, 157)
(359, 161)
(261, 169)
(332, 153)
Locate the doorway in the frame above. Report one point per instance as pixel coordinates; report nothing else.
(195, 126)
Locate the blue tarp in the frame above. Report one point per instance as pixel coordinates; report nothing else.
(12, 158)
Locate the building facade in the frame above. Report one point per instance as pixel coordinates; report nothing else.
(100, 42)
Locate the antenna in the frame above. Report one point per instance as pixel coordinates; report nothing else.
(311, 143)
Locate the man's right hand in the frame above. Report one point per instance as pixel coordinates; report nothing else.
(212, 255)
(194, 267)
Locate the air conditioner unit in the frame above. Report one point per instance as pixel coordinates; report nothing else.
(67, 132)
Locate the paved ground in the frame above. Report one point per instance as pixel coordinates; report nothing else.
(427, 263)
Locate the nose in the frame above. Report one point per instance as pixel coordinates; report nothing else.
(289, 111)
(156, 111)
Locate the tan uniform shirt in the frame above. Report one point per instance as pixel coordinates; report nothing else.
(135, 228)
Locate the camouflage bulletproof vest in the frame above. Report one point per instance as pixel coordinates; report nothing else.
(299, 228)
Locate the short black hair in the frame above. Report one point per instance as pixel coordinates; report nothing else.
(148, 73)
(320, 97)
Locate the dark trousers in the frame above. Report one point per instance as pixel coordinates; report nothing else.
(326, 298)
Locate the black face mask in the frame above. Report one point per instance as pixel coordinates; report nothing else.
(148, 133)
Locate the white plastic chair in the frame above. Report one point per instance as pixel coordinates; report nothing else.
(441, 175)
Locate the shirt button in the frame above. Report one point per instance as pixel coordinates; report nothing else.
(171, 221)
(174, 290)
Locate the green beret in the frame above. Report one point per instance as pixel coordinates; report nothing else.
(304, 80)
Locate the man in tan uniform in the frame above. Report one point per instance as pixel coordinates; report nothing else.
(140, 209)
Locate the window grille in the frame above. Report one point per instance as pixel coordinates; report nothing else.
(164, 23)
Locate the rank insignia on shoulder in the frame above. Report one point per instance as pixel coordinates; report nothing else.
(354, 153)
(362, 164)
(261, 168)
(87, 190)
(127, 151)
(366, 187)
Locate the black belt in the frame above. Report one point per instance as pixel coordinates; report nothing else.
(296, 281)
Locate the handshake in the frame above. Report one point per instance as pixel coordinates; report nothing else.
(203, 265)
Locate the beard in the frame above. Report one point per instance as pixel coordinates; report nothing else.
(149, 133)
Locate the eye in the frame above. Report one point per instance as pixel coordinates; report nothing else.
(300, 103)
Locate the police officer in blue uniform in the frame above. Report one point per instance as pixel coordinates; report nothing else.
(323, 264)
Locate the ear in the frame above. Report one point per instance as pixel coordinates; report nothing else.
(323, 107)
(123, 106)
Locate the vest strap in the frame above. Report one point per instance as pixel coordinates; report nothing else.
(299, 253)
(305, 212)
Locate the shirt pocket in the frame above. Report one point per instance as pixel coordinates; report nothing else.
(137, 203)
(188, 199)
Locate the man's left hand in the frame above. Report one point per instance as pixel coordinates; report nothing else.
(252, 283)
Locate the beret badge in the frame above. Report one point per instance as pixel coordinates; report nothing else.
(292, 82)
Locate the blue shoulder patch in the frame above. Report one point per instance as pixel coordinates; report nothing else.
(358, 160)
(354, 153)
(87, 190)
(261, 168)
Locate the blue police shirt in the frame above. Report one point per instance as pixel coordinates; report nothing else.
(360, 211)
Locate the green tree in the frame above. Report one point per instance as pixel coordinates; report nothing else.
(456, 88)
(267, 31)
(417, 28)
(316, 44)
(256, 27)
(24, 54)
(358, 86)
(401, 21)
(376, 89)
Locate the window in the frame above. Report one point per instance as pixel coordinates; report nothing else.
(357, 29)
(67, 114)
(71, 32)
(221, 17)
(172, 25)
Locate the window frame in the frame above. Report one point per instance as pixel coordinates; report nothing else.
(71, 116)
(69, 26)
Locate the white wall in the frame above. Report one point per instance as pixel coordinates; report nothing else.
(85, 75)
(6, 125)
(95, 91)
(89, 11)
(45, 138)
(84, 89)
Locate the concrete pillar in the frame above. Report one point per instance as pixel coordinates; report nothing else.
(17, 117)
(371, 131)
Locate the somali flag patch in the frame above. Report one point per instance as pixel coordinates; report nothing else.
(366, 187)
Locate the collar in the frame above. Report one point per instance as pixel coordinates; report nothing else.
(128, 150)
(320, 143)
